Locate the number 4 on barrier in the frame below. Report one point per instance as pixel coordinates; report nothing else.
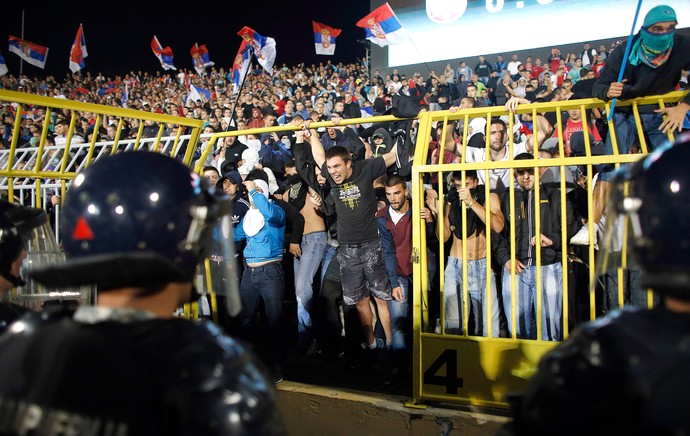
(449, 358)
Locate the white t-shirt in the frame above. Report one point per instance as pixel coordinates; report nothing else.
(499, 177)
(513, 67)
(61, 140)
(395, 216)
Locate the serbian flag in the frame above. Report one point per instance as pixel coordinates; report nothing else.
(324, 38)
(382, 27)
(196, 94)
(32, 53)
(200, 58)
(164, 55)
(264, 47)
(240, 66)
(125, 96)
(3, 66)
(78, 51)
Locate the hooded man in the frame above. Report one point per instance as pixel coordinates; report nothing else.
(250, 160)
(263, 229)
(231, 184)
(381, 141)
(274, 153)
(657, 58)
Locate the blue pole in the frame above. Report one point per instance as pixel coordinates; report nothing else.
(625, 56)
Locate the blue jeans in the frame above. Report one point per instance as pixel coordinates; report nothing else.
(305, 268)
(328, 254)
(453, 297)
(633, 292)
(626, 132)
(400, 316)
(526, 301)
(265, 283)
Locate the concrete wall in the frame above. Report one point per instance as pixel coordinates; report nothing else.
(316, 410)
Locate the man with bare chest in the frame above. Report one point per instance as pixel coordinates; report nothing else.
(470, 196)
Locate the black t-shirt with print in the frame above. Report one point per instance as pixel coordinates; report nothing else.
(355, 201)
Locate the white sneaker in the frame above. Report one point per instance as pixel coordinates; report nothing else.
(582, 236)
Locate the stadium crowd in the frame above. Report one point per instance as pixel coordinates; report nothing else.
(302, 94)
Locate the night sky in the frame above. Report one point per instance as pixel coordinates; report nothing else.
(118, 35)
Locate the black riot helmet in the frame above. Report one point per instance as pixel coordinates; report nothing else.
(21, 229)
(648, 217)
(139, 219)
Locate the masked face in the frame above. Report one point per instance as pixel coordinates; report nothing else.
(253, 144)
(659, 36)
(293, 179)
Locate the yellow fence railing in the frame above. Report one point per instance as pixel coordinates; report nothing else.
(480, 370)
(456, 368)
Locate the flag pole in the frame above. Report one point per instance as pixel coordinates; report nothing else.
(21, 61)
(420, 54)
(239, 91)
(625, 57)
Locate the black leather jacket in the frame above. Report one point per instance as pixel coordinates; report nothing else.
(550, 221)
(626, 374)
(123, 372)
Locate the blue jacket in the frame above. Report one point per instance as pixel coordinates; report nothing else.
(274, 155)
(268, 243)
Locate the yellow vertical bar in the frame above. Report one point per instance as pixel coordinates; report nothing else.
(212, 302)
(419, 291)
(537, 238)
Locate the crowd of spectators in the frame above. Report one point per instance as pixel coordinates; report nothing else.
(298, 94)
(313, 91)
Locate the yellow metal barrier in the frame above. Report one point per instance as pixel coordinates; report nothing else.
(480, 370)
(446, 368)
(30, 165)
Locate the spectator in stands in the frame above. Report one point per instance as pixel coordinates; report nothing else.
(255, 120)
(500, 178)
(263, 228)
(471, 196)
(395, 230)
(499, 65)
(513, 65)
(287, 115)
(483, 69)
(588, 55)
(233, 152)
(548, 237)
(311, 251)
(362, 267)
(657, 57)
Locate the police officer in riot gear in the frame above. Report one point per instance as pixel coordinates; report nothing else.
(136, 225)
(628, 373)
(21, 229)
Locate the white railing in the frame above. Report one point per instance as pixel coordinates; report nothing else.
(25, 158)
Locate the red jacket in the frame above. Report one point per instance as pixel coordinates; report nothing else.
(400, 235)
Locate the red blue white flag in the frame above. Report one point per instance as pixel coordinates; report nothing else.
(264, 47)
(240, 66)
(200, 58)
(125, 96)
(78, 51)
(324, 38)
(3, 65)
(196, 93)
(164, 55)
(32, 53)
(382, 27)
